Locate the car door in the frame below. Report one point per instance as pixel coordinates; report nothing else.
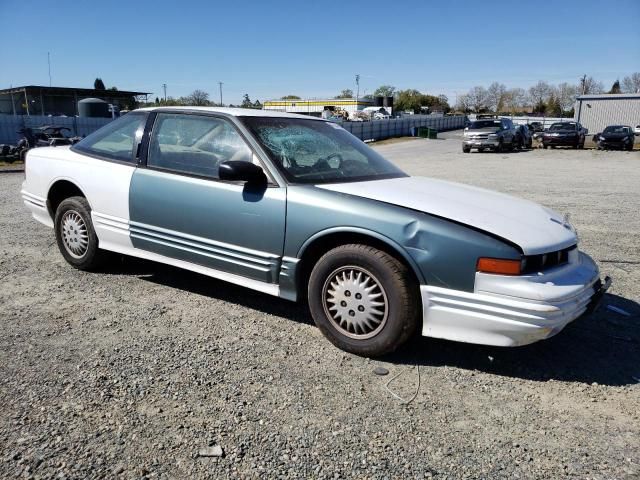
(180, 208)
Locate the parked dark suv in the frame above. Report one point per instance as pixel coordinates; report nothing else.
(564, 134)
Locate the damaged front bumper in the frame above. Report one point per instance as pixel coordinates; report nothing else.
(514, 310)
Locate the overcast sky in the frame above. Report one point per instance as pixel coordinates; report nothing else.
(315, 48)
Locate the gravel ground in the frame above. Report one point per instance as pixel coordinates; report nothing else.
(146, 371)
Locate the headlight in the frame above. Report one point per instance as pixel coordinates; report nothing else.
(601, 138)
(493, 135)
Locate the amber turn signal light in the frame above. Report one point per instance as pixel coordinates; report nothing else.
(499, 266)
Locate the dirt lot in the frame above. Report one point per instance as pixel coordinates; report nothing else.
(132, 371)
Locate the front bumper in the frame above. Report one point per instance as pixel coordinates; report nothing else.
(561, 141)
(480, 143)
(613, 144)
(514, 310)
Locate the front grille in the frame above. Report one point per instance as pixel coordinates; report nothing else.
(479, 136)
(545, 261)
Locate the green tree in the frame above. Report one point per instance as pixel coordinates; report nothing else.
(553, 106)
(408, 100)
(384, 91)
(257, 105)
(246, 101)
(615, 88)
(347, 93)
(98, 84)
(290, 97)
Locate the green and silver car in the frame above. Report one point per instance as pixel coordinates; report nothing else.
(298, 208)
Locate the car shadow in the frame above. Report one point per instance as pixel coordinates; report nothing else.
(602, 347)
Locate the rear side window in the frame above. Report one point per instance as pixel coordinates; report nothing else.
(195, 144)
(115, 140)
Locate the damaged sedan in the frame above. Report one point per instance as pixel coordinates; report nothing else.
(298, 208)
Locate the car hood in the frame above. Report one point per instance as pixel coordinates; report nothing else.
(534, 228)
(479, 131)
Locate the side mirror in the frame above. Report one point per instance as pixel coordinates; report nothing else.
(586, 130)
(239, 171)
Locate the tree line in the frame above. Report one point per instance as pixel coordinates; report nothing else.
(200, 98)
(543, 98)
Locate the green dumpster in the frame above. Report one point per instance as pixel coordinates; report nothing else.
(433, 133)
(423, 132)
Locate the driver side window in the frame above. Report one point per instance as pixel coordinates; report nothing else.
(195, 144)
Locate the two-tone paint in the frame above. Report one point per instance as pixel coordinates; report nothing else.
(260, 238)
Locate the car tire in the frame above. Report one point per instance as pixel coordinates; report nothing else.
(500, 147)
(481, 150)
(466, 149)
(363, 300)
(545, 146)
(75, 235)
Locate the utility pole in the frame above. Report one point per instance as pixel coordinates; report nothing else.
(164, 86)
(357, 89)
(583, 80)
(49, 63)
(220, 83)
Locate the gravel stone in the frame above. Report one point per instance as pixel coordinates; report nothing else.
(132, 370)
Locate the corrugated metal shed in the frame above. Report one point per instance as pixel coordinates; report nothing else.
(595, 112)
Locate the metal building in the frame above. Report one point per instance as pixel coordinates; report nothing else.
(315, 107)
(595, 112)
(40, 100)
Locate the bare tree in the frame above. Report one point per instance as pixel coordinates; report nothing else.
(198, 98)
(590, 85)
(477, 99)
(462, 103)
(566, 96)
(631, 84)
(539, 93)
(495, 96)
(514, 100)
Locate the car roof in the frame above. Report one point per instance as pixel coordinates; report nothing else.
(235, 112)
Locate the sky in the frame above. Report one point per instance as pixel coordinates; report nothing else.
(268, 49)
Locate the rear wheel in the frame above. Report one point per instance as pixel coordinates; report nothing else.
(75, 235)
(363, 300)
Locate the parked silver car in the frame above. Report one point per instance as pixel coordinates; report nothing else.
(495, 134)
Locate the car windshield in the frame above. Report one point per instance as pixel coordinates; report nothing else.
(478, 124)
(562, 126)
(313, 151)
(617, 129)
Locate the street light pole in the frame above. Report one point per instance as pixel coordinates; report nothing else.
(220, 83)
(164, 86)
(357, 89)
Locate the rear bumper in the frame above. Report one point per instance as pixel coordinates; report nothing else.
(37, 206)
(512, 311)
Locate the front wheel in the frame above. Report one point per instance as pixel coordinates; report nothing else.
(363, 300)
(75, 235)
(466, 149)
